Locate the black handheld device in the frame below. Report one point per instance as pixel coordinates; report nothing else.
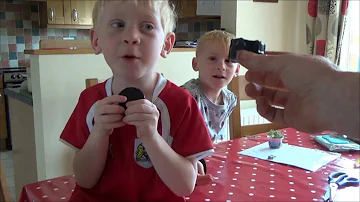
(243, 44)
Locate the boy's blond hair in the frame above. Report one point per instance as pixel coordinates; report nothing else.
(166, 10)
(215, 35)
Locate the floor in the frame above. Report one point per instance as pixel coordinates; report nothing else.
(7, 162)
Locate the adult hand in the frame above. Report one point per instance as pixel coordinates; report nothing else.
(301, 85)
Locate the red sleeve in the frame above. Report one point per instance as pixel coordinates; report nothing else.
(76, 130)
(191, 138)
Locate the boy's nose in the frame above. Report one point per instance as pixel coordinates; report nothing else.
(222, 66)
(132, 40)
(132, 36)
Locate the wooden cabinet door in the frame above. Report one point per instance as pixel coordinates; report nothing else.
(55, 11)
(188, 8)
(81, 12)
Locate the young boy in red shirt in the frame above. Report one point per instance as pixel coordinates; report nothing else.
(148, 151)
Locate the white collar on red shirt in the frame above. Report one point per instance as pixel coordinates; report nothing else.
(160, 85)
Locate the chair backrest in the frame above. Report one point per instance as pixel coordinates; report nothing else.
(91, 82)
(4, 190)
(237, 86)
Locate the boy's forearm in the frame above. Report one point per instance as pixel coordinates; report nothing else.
(346, 88)
(177, 172)
(90, 161)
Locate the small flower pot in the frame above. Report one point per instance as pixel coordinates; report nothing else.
(275, 143)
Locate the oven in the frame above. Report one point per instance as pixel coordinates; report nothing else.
(12, 78)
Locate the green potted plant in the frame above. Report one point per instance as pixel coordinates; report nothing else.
(275, 139)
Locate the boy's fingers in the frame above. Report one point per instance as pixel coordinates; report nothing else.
(110, 109)
(111, 118)
(259, 62)
(115, 99)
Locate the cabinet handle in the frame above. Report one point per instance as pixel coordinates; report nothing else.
(75, 14)
(51, 14)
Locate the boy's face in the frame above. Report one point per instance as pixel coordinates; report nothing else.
(131, 38)
(215, 70)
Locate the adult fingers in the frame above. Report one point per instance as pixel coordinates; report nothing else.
(269, 112)
(277, 53)
(266, 79)
(275, 97)
(260, 62)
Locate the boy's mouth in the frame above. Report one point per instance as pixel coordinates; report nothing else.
(219, 76)
(129, 57)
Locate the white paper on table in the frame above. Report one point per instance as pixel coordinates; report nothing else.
(308, 159)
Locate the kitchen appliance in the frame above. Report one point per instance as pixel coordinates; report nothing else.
(185, 44)
(12, 78)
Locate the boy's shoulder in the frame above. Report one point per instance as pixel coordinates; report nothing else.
(229, 93)
(191, 86)
(93, 93)
(177, 93)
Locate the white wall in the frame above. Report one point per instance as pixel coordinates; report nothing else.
(281, 26)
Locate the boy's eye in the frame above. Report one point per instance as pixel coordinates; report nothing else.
(228, 61)
(212, 58)
(117, 24)
(148, 26)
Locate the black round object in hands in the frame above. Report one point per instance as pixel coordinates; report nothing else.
(131, 93)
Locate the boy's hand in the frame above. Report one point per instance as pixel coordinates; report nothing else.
(144, 115)
(202, 178)
(109, 114)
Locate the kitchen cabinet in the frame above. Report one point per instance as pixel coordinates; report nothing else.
(194, 8)
(187, 8)
(208, 7)
(66, 13)
(3, 124)
(23, 141)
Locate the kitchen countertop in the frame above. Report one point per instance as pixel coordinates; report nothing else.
(19, 94)
(84, 51)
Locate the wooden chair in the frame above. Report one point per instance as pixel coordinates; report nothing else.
(4, 190)
(93, 81)
(237, 86)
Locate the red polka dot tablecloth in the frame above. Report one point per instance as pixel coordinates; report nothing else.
(241, 178)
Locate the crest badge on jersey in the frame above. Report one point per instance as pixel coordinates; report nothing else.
(140, 155)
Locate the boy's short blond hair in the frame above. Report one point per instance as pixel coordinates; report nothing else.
(217, 36)
(166, 9)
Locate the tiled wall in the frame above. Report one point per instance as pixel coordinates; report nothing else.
(193, 30)
(19, 30)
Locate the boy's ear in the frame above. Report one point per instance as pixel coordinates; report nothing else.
(237, 70)
(195, 64)
(168, 45)
(94, 41)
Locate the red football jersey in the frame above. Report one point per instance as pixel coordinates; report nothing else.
(128, 174)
